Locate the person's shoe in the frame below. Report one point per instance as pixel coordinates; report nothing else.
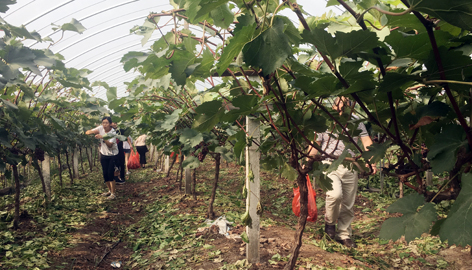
(348, 243)
(111, 197)
(330, 230)
(106, 194)
(120, 182)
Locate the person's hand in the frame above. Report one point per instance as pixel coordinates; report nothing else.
(98, 136)
(374, 168)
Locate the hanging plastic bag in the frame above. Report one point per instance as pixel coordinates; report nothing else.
(312, 210)
(133, 161)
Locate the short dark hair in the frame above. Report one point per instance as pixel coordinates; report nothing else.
(107, 118)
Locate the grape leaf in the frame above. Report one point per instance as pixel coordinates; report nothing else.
(234, 47)
(442, 153)
(190, 137)
(74, 26)
(455, 12)
(376, 152)
(180, 61)
(457, 228)
(269, 50)
(171, 119)
(191, 162)
(413, 223)
(222, 16)
(208, 115)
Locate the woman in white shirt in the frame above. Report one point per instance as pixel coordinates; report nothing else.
(127, 149)
(141, 147)
(109, 152)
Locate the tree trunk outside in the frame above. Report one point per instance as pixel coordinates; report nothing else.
(302, 184)
(81, 159)
(16, 220)
(295, 251)
(96, 157)
(158, 159)
(70, 171)
(59, 166)
(38, 169)
(172, 165)
(89, 156)
(211, 214)
(194, 179)
(181, 172)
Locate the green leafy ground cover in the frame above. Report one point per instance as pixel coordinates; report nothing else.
(155, 227)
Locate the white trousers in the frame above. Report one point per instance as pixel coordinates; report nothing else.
(340, 201)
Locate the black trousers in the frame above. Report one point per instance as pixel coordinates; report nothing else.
(120, 161)
(108, 167)
(142, 153)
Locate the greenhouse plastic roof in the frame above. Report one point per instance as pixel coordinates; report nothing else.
(107, 36)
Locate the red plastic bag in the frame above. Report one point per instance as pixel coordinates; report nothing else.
(312, 209)
(133, 161)
(176, 157)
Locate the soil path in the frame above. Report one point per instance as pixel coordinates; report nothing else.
(100, 236)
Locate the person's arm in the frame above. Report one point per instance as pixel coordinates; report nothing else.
(313, 151)
(129, 142)
(109, 143)
(98, 136)
(367, 141)
(91, 131)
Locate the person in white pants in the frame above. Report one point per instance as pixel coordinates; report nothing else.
(340, 200)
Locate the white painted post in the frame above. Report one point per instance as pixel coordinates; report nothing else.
(46, 171)
(156, 154)
(167, 164)
(253, 187)
(75, 165)
(151, 152)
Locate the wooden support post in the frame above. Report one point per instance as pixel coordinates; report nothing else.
(46, 171)
(253, 187)
(75, 163)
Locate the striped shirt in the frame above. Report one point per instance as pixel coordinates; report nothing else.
(331, 145)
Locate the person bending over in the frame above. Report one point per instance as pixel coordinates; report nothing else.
(340, 200)
(109, 152)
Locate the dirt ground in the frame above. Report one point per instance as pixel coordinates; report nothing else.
(91, 251)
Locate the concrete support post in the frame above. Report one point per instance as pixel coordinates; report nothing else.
(151, 152)
(75, 163)
(46, 171)
(156, 154)
(167, 164)
(253, 187)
